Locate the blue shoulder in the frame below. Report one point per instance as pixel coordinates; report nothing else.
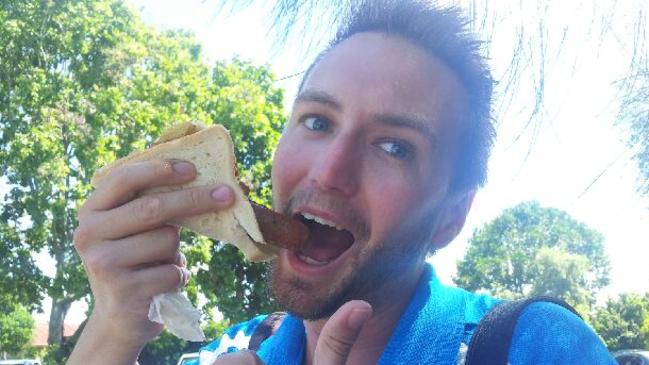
(547, 333)
(476, 306)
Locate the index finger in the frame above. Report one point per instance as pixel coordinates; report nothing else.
(151, 211)
(123, 183)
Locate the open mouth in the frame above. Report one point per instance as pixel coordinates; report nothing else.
(326, 241)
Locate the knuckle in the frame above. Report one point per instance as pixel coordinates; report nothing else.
(81, 238)
(100, 264)
(148, 208)
(194, 197)
(338, 345)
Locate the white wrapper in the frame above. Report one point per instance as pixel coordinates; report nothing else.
(178, 315)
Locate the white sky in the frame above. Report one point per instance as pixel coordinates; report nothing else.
(576, 142)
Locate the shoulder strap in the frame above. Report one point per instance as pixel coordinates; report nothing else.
(265, 329)
(493, 336)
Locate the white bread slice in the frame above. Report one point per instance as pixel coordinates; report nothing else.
(180, 130)
(212, 152)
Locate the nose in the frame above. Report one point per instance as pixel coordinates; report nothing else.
(338, 167)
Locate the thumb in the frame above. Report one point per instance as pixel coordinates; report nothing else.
(340, 332)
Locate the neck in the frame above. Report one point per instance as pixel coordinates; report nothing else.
(376, 332)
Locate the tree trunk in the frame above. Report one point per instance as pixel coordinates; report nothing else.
(60, 309)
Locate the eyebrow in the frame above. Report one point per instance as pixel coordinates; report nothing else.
(320, 97)
(412, 121)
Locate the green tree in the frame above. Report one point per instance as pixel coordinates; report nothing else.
(16, 327)
(83, 83)
(531, 250)
(644, 332)
(560, 273)
(622, 322)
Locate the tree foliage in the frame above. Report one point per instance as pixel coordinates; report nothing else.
(623, 323)
(85, 82)
(16, 327)
(532, 250)
(561, 274)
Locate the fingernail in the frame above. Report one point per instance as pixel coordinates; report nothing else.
(182, 259)
(183, 168)
(222, 194)
(186, 275)
(357, 318)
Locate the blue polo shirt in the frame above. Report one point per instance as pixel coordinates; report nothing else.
(436, 328)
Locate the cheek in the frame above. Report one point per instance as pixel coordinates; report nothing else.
(399, 200)
(390, 202)
(288, 169)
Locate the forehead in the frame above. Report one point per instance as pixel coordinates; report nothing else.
(377, 73)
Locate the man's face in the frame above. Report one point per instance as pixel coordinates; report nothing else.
(369, 149)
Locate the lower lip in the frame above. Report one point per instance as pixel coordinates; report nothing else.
(306, 270)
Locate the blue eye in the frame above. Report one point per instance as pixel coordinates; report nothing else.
(316, 123)
(398, 150)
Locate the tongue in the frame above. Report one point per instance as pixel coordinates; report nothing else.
(326, 243)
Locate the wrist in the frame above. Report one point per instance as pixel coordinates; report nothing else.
(100, 343)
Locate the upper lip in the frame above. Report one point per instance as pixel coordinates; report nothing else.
(325, 215)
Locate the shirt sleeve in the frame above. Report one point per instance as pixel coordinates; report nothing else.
(547, 333)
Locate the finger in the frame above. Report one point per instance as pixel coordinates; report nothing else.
(178, 260)
(243, 357)
(340, 332)
(159, 279)
(122, 183)
(156, 246)
(151, 211)
(181, 260)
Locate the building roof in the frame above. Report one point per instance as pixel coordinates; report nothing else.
(39, 338)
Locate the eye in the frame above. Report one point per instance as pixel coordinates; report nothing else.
(396, 149)
(316, 123)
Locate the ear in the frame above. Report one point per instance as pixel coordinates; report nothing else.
(452, 218)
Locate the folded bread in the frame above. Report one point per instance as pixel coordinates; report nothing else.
(212, 152)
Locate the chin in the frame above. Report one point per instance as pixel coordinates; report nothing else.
(368, 279)
(306, 299)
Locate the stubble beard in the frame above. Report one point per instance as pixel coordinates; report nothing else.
(371, 275)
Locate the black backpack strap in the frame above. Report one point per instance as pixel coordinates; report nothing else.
(265, 329)
(493, 336)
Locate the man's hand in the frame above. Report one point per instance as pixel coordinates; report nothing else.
(131, 254)
(334, 344)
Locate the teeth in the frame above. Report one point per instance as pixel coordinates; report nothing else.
(322, 221)
(311, 261)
